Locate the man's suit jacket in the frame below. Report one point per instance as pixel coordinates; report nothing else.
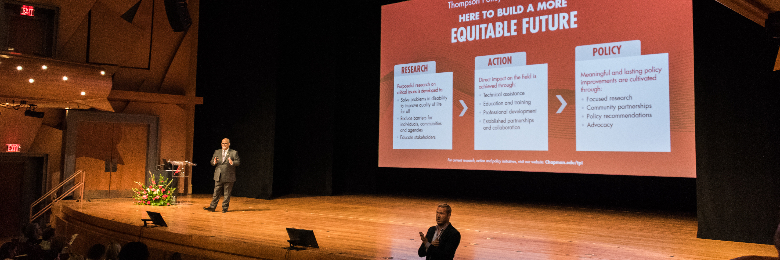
(448, 243)
(225, 172)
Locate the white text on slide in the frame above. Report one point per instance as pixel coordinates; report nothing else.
(532, 25)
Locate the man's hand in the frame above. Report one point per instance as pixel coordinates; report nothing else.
(435, 242)
(422, 237)
(230, 160)
(215, 160)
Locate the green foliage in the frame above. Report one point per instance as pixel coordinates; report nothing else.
(156, 194)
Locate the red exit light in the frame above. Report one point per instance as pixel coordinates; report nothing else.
(28, 10)
(13, 148)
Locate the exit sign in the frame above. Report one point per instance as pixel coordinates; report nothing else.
(13, 148)
(28, 10)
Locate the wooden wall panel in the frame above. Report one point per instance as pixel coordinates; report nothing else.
(123, 143)
(171, 125)
(74, 48)
(94, 147)
(777, 62)
(164, 47)
(15, 128)
(148, 53)
(112, 39)
(11, 172)
(132, 150)
(139, 56)
(72, 17)
(178, 74)
(49, 141)
(130, 79)
(118, 6)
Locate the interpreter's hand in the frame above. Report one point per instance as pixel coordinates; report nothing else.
(422, 237)
(435, 242)
(230, 160)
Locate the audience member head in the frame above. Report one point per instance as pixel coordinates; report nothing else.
(8, 250)
(443, 213)
(134, 251)
(113, 250)
(32, 232)
(58, 243)
(175, 256)
(96, 252)
(48, 233)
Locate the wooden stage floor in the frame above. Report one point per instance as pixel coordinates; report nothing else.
(385, 227)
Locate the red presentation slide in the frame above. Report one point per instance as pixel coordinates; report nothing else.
(570, 86)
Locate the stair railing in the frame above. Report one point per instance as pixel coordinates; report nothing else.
(33, 217)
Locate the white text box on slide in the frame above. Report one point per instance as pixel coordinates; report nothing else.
(510, 104)
(422, 110)
(623, 104)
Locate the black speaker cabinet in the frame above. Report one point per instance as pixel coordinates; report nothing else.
(773, 26)
(178, 15)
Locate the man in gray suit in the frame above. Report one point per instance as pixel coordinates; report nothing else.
(226, 160)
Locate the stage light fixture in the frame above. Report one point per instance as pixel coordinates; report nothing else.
(16, 105)
(18, 67)
(44, 67)
(31, 80)
(83, 93)
(32, 113)
(102, 72)
(64, 77)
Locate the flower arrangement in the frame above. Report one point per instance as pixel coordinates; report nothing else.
(156, 194)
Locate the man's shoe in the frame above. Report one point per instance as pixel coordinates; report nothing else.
(224, 210)
(209, 209)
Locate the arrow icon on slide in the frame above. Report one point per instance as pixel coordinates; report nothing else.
(563, 104)
(464, 108)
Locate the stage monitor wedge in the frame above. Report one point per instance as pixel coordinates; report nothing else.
(155, 218)
(302, 237)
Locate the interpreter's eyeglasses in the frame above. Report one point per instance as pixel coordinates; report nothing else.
(225, 143)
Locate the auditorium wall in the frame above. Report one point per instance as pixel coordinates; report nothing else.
(154, 73)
